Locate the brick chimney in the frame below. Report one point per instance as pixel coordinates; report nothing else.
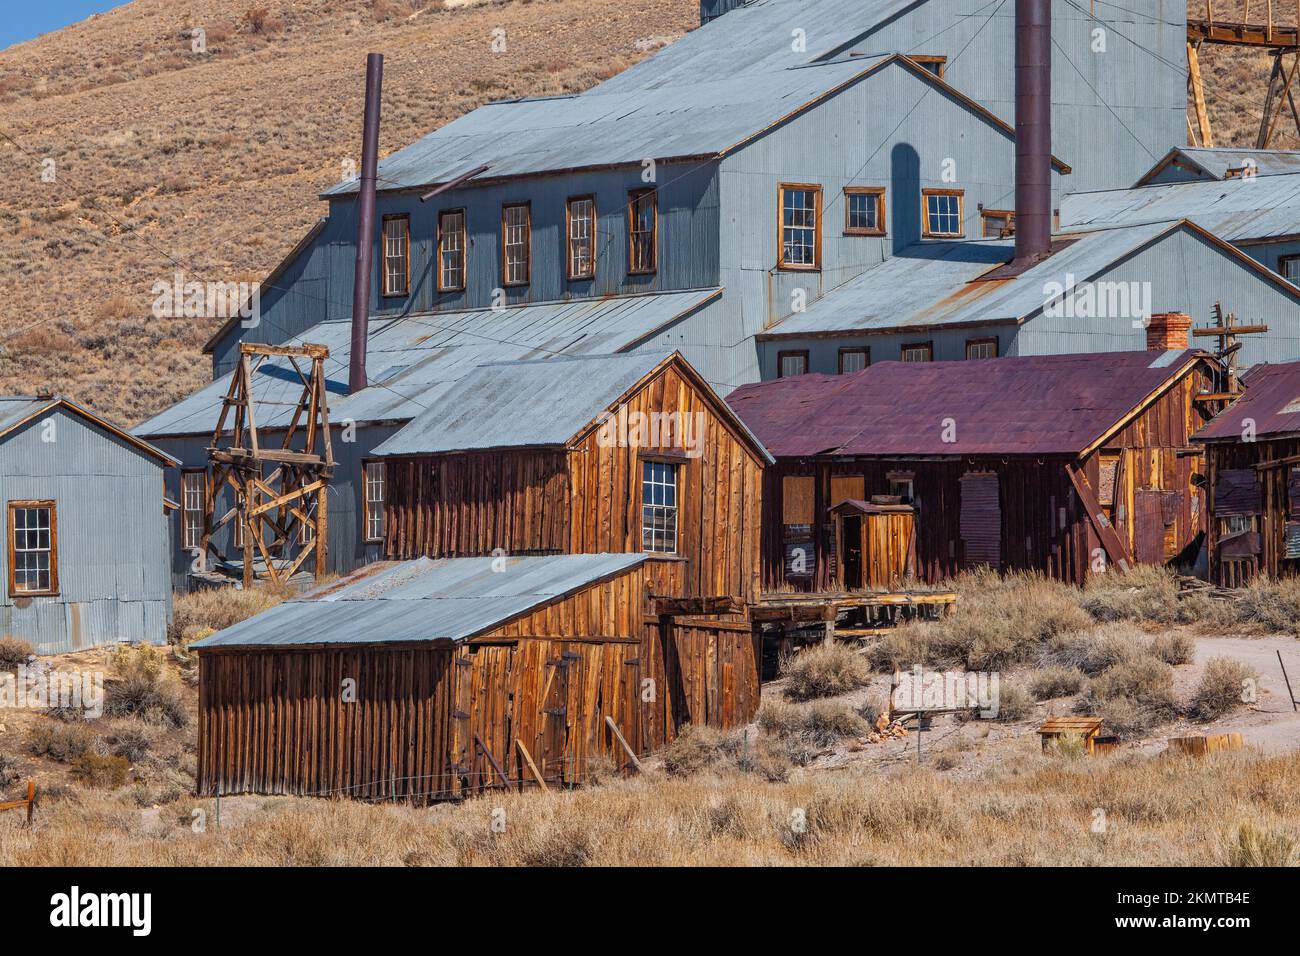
(1168, 330)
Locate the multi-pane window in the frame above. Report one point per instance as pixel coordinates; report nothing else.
(998, 222)
(582, 238)
(33, 548)
(516, 244)
(451, 250)
(791, 363)
(923, 352)
(800, 235)
(981, 348)
(658, 507)
(192, 508)
(853, 360)
(397, 255)
(943, 213)
(1289, 267)
(642, 231)
(864, 211)
(374, 500)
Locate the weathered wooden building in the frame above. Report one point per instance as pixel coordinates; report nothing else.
(572, 540)
(1253, 475)
(86, 552)
(1060, 464)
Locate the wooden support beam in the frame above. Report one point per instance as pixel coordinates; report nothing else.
(528, 759)
(496, 767)
(702, 606)
(618, 735)
(1110, 540)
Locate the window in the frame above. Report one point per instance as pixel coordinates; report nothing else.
(981, 348)
(33, 548)
(658, 507)
(397, 255)
(901, 484)
(1289, 268)
(642, 232)
(516, 244)
(998, 223)
(920, 352)
(581, 216)
(854, 360)
(800, 239)
(864, 211)
(373, 500)
(791, 363)
(193, 506)
(943, 213)
(451, 250)
(934, 64)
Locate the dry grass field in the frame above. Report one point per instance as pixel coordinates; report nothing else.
(215, 160)
(809, 782)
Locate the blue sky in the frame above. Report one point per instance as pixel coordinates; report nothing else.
(23, 19)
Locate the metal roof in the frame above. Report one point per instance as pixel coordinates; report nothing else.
(414, 360)
(1234, 210)
(19, 409)
(522, 404)
(1216, 162)
(423, 600)
(1040, 404)
(935, 283)
(1271, 402)
(669, 117)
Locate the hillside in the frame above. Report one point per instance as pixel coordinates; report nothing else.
(215, 160)
(212, 162)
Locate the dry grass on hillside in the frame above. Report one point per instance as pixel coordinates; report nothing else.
(1231, 809)
(216, 159)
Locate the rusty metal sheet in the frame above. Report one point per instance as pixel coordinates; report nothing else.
(1269, 409)
(1041, 404)
(981, 519)
(1237, 492)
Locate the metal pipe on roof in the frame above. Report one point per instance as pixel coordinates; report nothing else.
(365, 223)
(1033, 131)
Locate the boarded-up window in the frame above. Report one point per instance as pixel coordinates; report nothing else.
(797, 500)
(1237, 492)
(1107, 472)
(981, 519)
(848, 488)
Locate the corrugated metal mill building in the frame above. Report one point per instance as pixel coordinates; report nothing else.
(87, 553)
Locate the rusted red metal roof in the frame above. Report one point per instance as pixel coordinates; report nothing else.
(1041, 404)
(1271, 403)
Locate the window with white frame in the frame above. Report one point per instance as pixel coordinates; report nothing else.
(516, 244)
(659, 507)
(451, 250)
(581, 218)
(920, 352)
(374, 500)
(789, 364)
(800, 236)
(33, 548)
(397, 255)
(981, 348)
(193, 506)
(1289, 267)
(854, 360)
(943, 213)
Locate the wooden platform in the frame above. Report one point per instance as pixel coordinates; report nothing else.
(815, 606)
(1243, 34)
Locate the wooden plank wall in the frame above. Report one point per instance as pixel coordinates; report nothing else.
(467, 504)
(1273, 482)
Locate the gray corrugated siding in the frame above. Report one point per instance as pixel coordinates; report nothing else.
(113, 579)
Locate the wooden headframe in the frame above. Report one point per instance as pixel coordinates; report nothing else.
(291, 496)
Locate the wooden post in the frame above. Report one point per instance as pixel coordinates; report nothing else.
(618, 735)
(1294, 705)
(31, 800)
(1198, 95)
(528, 759)
(496, 767)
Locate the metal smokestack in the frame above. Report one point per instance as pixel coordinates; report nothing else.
(365, 223)
(1033, 131)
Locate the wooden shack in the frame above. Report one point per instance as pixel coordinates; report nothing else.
(1253, 472)
(1063, 464)
(874, 544)
(518, 483)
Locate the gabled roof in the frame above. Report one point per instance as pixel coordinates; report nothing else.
(1215, 163)
(1236, 209)
(1271, 403)
(539, 404)
(412, 360)
(1040, 404)
(615, 125)
(450, 599)
(17, 411)
(940, 284)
